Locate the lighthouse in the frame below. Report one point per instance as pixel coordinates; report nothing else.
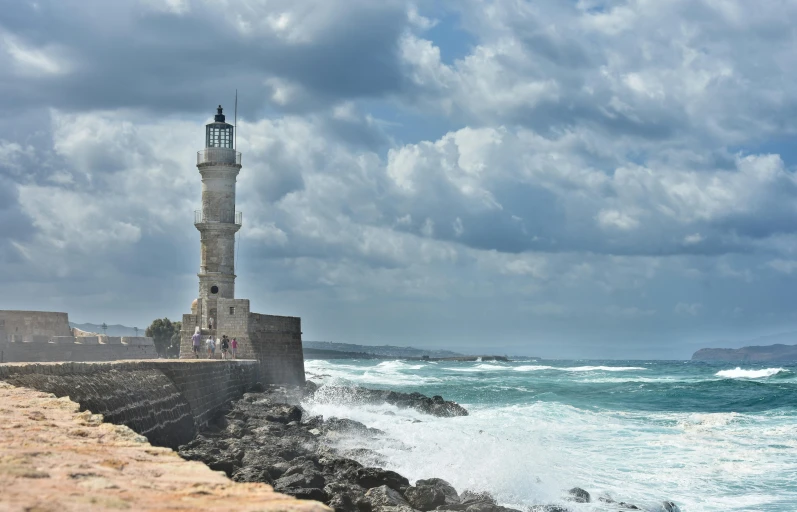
(218, 221)
(272, 344)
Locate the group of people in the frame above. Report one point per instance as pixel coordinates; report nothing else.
(228, 346)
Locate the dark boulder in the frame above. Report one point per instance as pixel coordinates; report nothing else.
(384, 496)
(669, 506)
(436, 406)
(345, 497)
(302, 467)
(347, 426)
(476, 497)
(309, 479)
(424, 497)
(452, 498)
(579, 495)
(252, 474)
(284, 413)
(488, 507)
(377, 477)
(332, 465)
(310, 388)
(307, 494)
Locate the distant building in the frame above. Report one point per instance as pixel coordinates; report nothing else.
(45, 336)
(275, 341)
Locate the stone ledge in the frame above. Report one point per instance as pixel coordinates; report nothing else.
(54, 458)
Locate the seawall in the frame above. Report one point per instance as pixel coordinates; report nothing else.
(164, 400)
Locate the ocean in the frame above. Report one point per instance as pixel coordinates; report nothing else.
(710, 437)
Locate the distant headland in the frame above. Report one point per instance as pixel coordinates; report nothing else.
(765, 353)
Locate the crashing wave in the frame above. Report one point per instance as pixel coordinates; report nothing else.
(738, 373)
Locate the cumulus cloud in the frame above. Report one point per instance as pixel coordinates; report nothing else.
(547, 170)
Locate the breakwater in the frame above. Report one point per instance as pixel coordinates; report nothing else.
(165, 400)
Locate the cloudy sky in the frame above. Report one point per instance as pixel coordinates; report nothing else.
(563, 178)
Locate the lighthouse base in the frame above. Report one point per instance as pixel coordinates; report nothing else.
(274, 341)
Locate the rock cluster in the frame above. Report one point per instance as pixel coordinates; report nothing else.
(267, 437)
(435, 406)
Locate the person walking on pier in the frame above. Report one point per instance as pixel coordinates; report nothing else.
(211, 347)
(196, 340)
(234, 347)
(225, 346)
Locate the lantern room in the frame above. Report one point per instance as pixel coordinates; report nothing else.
(218, 134)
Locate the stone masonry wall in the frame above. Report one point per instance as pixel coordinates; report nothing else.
(275, 341)
(277, 344)
(164, 400)
(34, 325)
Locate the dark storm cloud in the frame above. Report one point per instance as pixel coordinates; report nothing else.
(119, 55)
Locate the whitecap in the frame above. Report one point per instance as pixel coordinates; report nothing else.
(530, 368)
(738, 373)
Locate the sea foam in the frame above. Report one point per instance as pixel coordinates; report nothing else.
(531, 368)
(738, 373)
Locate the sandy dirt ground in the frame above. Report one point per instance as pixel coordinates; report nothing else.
(54, 458)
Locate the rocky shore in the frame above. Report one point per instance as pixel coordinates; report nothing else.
(267, 437)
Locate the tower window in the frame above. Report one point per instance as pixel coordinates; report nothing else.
(214, 289)
(232, 310)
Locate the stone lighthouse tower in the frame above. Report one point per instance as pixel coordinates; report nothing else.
(275, 342)
(219, 164)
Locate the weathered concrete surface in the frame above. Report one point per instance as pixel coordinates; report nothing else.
(164, 399)
(54, 458)
(67, 348)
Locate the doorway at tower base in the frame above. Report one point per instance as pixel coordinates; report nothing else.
(274, 341)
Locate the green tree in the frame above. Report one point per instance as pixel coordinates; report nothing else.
(174, 347)
(166, 335)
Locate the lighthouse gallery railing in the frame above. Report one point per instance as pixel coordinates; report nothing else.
(223, 216)
(222, 156)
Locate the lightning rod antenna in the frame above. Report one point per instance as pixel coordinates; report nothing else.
(235, 142)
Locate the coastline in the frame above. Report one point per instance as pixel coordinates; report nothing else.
(268, 437)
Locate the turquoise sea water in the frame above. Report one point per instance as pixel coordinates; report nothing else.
(711, 437)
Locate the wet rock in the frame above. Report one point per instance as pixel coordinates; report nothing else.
(368, 456)
(339, 466)
(628, 506)
(669, 506)
(284, 413)
(548, 508)
(377, 477)
(310, 388)
(476, 497)
(384, 496)
(303, 467)
(313, 422)
(424, 497)
(308, 480)
(345, 497)
(252, 474)
(275, 466)
(579, 495)
(436, 406)
(451, 496)
(346, 426)
(488, 507)
(308, 494)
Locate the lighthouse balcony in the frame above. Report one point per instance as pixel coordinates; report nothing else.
(223, 216)
(218, 156)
